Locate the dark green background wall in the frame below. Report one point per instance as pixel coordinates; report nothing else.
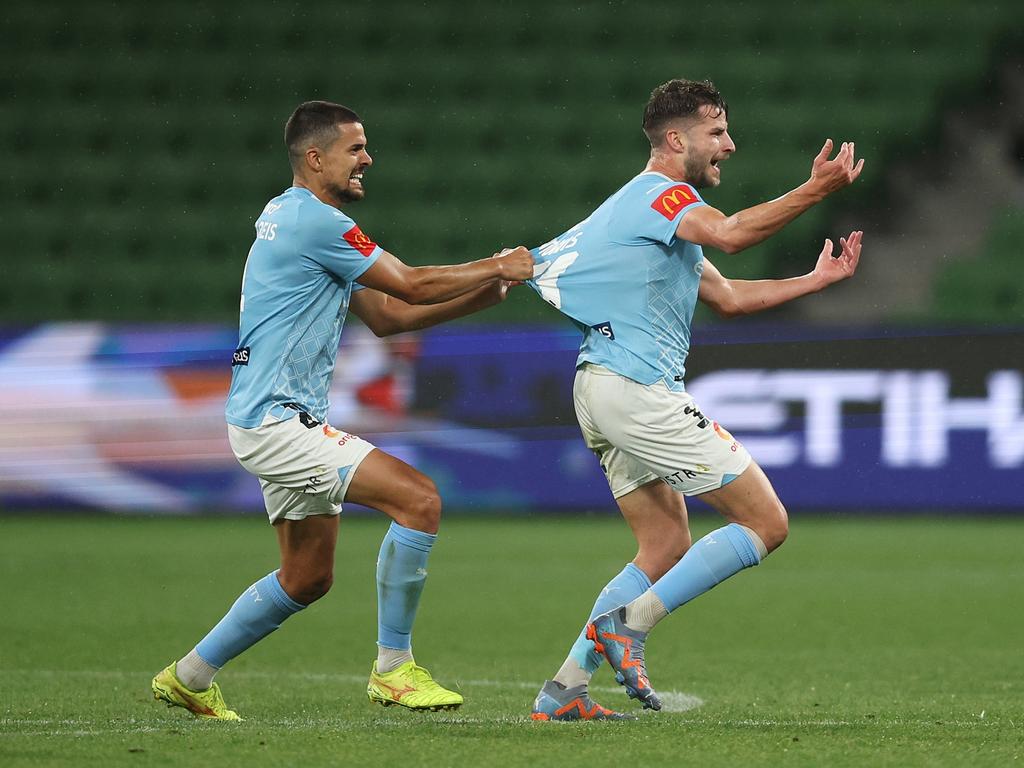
(142, 139)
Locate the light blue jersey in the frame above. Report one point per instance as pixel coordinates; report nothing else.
(296, 288)
(627, 281)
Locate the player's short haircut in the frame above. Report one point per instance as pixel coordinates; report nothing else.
(678, 99)
(314, 123)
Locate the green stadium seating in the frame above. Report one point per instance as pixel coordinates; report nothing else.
(147, 137)
(985, 288)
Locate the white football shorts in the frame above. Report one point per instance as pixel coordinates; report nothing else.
(304, 466)
(641, 433)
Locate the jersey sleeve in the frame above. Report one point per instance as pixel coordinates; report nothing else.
(335, 242)
(651, 210)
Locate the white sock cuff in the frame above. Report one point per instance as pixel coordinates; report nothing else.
(646, 611)
(762, 550)
(195, 672)
(389, 659)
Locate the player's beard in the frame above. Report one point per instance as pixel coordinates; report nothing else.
(346, 194)
(700, 175)
(698, 172)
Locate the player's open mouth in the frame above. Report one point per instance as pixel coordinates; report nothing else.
(357, 177)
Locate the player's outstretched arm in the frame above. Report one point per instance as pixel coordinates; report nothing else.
(731, 298)
(386, 315)
(433, 285)
(731, 234)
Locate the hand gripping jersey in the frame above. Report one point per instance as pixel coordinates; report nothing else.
(627, 281)
(296, 289)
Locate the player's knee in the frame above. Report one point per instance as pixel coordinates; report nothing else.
(318, 586)
(424, 507)
(775, 527)
(307, 588)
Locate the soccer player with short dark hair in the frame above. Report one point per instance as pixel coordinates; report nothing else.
(629, 276)
(308, 265)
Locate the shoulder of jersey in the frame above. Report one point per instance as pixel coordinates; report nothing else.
(324, 215)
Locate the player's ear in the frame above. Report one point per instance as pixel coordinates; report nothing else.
(674, 140)
(314, 161)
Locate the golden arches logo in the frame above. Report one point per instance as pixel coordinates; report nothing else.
(674, 199)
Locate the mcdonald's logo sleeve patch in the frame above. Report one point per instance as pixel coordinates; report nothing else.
(359, 241)
(674, 199)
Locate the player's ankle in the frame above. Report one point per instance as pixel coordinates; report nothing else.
(644, 612)
(390, 659)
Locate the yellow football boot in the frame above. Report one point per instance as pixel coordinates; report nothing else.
(209, 703)
(411, 687)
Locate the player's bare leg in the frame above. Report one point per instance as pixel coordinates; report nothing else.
(307, 556)
(401, 492)
(657, 516)
(411, 500)
(751, 501)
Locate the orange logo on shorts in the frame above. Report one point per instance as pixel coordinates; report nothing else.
(330, 431)
(721, 431)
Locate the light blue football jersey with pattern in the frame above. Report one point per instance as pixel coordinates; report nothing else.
(296, 289)
(625, 278)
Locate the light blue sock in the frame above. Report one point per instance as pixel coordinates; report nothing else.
(256, 613)
(401, 573)
(630, 583)
(710, 561)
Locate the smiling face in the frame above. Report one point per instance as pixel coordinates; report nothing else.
(705, 142)
(339, 166)
(331, 163)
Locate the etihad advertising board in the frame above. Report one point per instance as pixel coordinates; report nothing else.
(130, 419)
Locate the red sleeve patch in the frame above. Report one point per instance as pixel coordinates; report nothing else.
(359, 241)
(674, 199)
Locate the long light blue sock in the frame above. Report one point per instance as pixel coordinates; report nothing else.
(710, 561)
(630, 583)
(401, 573)
(255, 614)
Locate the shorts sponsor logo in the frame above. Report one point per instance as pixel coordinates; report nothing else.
(721, 431)
(605, 329)
(330, 431)
(240, 357)
(346, 437)
(670, 202)
(359, 241)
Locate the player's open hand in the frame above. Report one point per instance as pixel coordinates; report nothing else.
(831, 268)
(516, 264)
(841, 171)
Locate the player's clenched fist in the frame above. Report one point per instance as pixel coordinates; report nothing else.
(516, 264)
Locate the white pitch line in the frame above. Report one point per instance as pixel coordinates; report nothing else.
(672, 701)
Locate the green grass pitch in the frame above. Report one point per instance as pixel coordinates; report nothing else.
(860, 643)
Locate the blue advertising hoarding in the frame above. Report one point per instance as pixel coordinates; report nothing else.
(130, 418)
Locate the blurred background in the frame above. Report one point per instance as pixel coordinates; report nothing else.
(143, 139)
